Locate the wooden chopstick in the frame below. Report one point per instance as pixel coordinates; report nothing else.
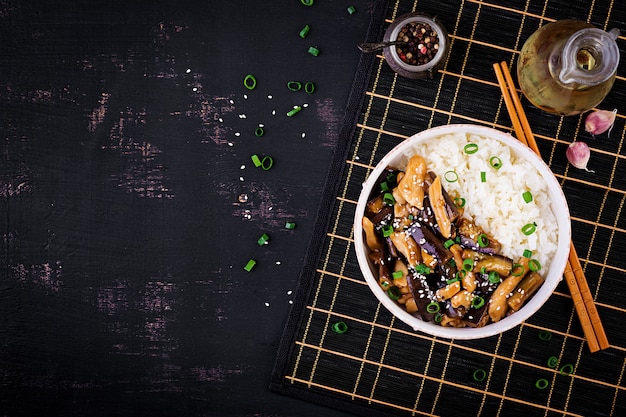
(574, 275)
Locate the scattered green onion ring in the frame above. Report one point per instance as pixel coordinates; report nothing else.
(250, 265)
(527, 253)
(495, 162)
(468, 264)
(290, 225)
(351, 10)
(478, 302)
(544, 335)
(553, 361)
(388, 199)
(256, 161)
(527, 196)
(394, 293)
(438, 317)
(307, 2)
(305, 31)
(387, 230)
(397, 274)
(293, 111)
(267, 162)
(309, 87)
(448, 243)
(567, 369)
(517, 270)
(534, 265)
(479, 375)
(529, 229)
(483, 176)
(470, 148)
(314, 51)
(433, 307)
(494, 277)
(391, 178)
(451, 176)
(259, 131)
(452, 281)
(384, 284)
(483, 240)
(294, 85)
(384, 186)
(459, 202)
(339, 327)
(422, 269)
(461, 274)
(542, 383)
(249, 82)
(263, 240)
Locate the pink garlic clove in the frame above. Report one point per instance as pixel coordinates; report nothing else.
(600, 121)
(578, 154)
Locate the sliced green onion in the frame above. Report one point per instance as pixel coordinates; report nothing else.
(470, 148)
(448, 243)
(384, 186)
(387, 230)
(397, 274)
(249, 82)
(459, 202)
(451, 176)
(494, 277)
(351, 10)
(438, 317)
(479, 375)
(290, 225)
(259, 131)
(293, 111)
(250, 265)
(256, 161)
(452, 281)
(461, 274)
(410, 217)
(294, 85)
(384, 284)
(534, 265)
(553, 361)
(305, 31)
(527, 253)
(495, 162)
(517, 270)
(388, 199)
(307, 2)
(314, 51)
(309, 87)
(267, 162)
(544, 335)
(483, 240)
(468, 264)
(483, 176)
(433, 307)
(542, 383)
(527, 196)
(339, 327)
(394, 293)
(422, 269)
(567, 369)
(478, 302)
(263, 240)
(391, 178)
(529, 228)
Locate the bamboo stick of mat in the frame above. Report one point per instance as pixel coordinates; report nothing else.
(574, 275)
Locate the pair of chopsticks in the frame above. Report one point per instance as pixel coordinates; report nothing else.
(574, 275)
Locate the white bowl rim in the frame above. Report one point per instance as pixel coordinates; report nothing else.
(557, 266)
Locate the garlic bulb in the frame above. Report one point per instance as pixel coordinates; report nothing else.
(578, 154)
(600, 121)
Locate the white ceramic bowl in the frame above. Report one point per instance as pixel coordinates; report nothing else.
(398, 157)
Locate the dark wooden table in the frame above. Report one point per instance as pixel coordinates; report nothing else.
(130, 204)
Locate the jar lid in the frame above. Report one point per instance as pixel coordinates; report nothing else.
(427, 45)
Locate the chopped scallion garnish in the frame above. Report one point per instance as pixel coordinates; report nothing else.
(451, 176)
(394, 293)
(256, 160)
(314, 51)
(290, 225)
(478, 302)
(433, 307)
(339, 327)
(397, 274)
(483, 176)
(388, 199)
(309, 87)
(534, 265)
(483, 240)
(250, 265)
(249, 82)
(263, 240)
(267, 162)
(294, 85)
(470, 148)
(527, 196)
(529, 229)
(495, 162)
(527, 253)
(305, 31)
(387, 230)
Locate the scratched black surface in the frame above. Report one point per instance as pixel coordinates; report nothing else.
(126, 136)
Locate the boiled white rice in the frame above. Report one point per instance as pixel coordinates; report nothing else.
(496, 205)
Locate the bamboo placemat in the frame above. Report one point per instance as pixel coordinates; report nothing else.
(380, 366)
